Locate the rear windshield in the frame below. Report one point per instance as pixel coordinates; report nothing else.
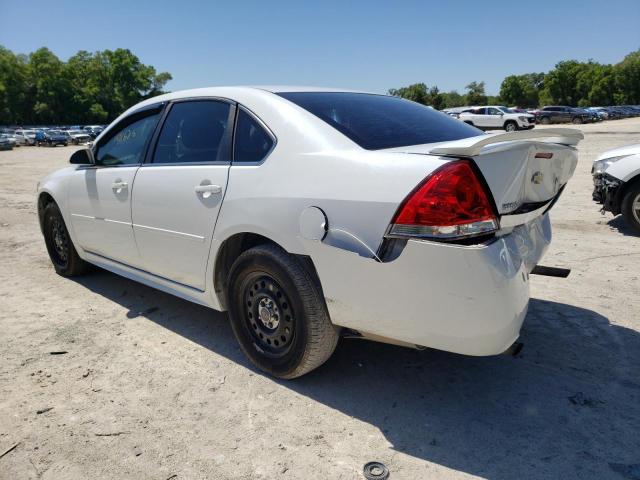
(378, 121)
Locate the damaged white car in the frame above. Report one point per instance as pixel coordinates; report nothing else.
(308, 214)
(616, 178)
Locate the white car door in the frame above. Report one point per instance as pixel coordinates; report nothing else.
(177, 195)
(99, 196)
(494, 117)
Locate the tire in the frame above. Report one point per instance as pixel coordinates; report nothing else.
(278, 313)
(510, 126)
(576, 120)
(545, 121)
(62, 253)
(631, 206)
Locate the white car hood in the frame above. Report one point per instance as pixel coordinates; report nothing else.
(619, 152)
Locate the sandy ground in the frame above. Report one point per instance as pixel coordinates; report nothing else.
(153, 387)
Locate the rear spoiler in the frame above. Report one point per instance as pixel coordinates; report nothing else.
(472, 146)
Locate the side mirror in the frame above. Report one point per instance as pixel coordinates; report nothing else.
(82, 157)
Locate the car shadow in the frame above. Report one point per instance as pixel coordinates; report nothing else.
(618, 223)
(567, 406)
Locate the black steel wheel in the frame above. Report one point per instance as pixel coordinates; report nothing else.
(269, 315)
(278, 313)
(62, 253)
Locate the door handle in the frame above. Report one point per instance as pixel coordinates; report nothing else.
(119, 186)
(207, 190)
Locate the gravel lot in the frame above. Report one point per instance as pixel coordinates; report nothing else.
(153, 387)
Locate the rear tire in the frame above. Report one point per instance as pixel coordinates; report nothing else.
(545, 121)
(62, 253)
(510, 126)
(278, 313)
(576, 120)
(631, 206)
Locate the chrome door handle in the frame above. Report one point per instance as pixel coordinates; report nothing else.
(207, 190)
(119, 186)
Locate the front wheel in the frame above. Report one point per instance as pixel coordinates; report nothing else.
(278, 313)
(545, 120)
(62, 253)
(576, 121)
(510, 126)
(631, 206)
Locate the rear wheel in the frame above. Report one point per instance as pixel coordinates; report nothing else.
(278, 313)
(631, 206)
(576, 120)
(510, 126)
(545, 121)
(62, 253)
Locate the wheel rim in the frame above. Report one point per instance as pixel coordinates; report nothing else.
(269, 317)
(59, 242)
(635, 208)
(510, 127)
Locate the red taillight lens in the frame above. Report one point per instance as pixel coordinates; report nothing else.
(450, 203)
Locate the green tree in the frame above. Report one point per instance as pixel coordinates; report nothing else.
(88, 88)
(627, 79)
(522, 90)
(14, 97)
(418, 92)
(476, 94)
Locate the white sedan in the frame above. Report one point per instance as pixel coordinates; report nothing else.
(308, 214)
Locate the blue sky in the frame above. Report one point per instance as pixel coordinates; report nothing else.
(364, 45)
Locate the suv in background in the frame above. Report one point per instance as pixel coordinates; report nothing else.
(561, 114)
(494, 117)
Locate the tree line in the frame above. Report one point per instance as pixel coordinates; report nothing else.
(39, 88)
(572, 83)
(96, 87)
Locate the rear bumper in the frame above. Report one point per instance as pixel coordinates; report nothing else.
(464, 299)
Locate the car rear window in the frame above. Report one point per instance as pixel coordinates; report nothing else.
(379, 121)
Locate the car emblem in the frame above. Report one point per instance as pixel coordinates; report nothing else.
(537, 178)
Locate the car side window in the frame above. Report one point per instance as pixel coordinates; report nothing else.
(252, 142)
(126, 145)
(494, 111)
(194, 132)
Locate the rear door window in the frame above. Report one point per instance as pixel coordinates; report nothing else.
(252, 142)
(195, 132)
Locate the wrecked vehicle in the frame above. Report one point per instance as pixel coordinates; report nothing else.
(616, 179)
(308, 214)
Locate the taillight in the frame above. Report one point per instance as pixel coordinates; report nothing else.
(451, 203)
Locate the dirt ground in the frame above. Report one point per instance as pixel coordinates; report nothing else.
(153, 387)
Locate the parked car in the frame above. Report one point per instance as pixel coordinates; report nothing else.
(51, 138)
(311, 213)
(5, 143)
(588, 116)
(560, 114)
(602, 112)
(616, 178)
(493, 117)
(11, 138)
(93, 130)
(25, 137)
(76, 137)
